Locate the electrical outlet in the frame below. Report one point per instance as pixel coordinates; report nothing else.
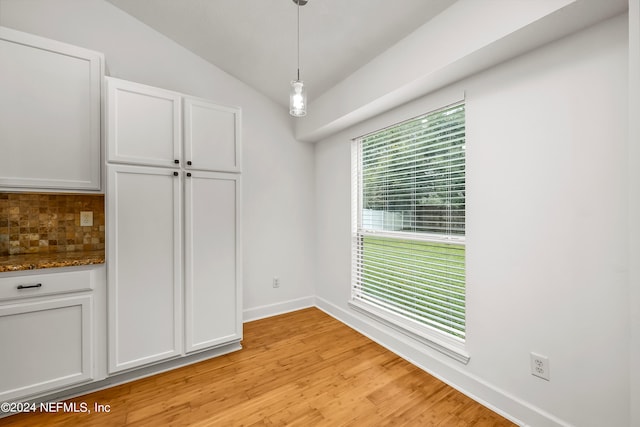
(540, 366)
(276, 282)
(86, 219)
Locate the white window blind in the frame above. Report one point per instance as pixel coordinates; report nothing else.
(409, 223)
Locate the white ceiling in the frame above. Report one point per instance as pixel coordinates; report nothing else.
(255, 40)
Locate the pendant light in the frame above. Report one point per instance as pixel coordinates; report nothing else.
(298, 94)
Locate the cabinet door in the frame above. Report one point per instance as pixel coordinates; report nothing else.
(46, 345)
(49, 114)
(143, 124)
(143, 276)
(212, 260)
(212, 136)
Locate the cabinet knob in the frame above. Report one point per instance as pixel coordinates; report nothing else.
(36, 285)
(189, 162)
(176, 161)
(175, 174)
(188, 173)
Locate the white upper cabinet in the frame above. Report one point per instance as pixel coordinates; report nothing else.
(50, 107)
(143, 124)
(211, 136)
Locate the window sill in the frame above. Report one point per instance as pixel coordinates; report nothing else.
(435, 340)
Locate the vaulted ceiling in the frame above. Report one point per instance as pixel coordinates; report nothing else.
(359, 58)
(255, 40)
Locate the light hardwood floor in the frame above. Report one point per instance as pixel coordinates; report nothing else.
(302, 368)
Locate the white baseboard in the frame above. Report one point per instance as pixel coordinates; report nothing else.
(499, 401)
(269, 310)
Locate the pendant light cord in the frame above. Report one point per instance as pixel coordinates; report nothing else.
(298, 2)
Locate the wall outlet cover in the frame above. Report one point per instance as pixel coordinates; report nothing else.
(540, 366)
(86, 219)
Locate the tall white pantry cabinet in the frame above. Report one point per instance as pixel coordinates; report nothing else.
(173, 225)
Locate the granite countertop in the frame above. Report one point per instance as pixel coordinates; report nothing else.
(50, 260)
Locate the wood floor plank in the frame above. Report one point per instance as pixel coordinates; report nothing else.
(298, 369)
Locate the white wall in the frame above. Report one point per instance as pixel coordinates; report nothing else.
(546, 232)
(278, 170)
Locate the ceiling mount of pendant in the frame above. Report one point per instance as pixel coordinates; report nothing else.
(300, 2)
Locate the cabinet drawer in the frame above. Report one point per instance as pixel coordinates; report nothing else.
(44, 284)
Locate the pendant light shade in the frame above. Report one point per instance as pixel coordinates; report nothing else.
(297, 99)
(297, 93)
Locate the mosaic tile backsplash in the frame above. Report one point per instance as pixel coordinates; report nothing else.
(45, 223)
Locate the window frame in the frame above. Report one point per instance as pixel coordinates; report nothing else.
(452, 346)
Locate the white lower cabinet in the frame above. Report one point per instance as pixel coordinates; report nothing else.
(212, 268)
(46, 344)
(147, 217)
(143, 272)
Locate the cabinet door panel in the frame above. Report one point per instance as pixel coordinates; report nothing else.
(143, 124)
(45, 345)
(212, 136)
(212, 254)
(49, 113)
(144, 266)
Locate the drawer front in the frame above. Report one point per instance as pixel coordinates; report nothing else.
(44, 284)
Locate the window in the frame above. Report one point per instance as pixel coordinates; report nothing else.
(408, 244)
